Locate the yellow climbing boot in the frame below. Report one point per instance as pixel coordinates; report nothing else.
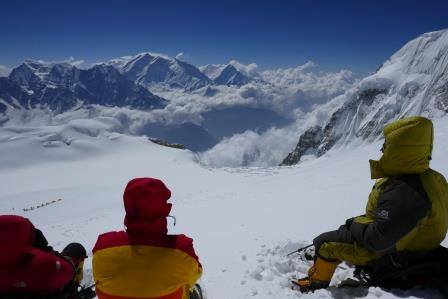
(319, 275)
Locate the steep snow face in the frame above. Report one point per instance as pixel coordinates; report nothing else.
(149, 69)
(414, 81)
(420, 73)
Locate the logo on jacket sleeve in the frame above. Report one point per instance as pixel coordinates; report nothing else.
(383, 215)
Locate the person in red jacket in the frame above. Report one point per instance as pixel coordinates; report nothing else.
(144, 261)
(29, 268)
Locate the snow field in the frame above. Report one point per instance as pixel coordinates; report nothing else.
(243, 220)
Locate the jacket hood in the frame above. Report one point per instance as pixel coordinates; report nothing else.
(145, 202)
(407, 148)
(16, 238)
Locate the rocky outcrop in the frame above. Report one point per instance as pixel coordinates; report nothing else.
(167, 144)
(309, 143)
(317, 141)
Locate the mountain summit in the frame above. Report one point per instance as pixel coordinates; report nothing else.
(228, 74)
(149, 68)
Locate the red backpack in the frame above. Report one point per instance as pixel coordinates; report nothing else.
(28, 270)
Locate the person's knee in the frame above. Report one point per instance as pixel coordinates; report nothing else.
(346, 252)
(341, 235)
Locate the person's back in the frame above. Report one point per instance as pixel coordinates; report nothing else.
(143, 261)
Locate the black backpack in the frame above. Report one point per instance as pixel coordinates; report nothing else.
(406, 270)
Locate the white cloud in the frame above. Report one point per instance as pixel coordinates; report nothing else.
(298, 91)
(251, 149)
(80, 63)
(75, 62)
(247, 69)
(4, 70)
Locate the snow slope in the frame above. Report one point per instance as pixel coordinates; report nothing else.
(243, 220)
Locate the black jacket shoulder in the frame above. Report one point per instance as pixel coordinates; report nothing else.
(400, 207)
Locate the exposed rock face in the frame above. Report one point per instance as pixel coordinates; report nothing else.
(167, 144)
(309, 143)
(318, 141)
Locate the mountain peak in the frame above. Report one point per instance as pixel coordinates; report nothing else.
(149, 68)
(231, 76)
(232, 73)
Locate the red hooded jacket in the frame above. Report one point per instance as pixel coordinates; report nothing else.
(144, 261)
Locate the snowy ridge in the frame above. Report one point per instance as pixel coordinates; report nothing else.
(412, 82)
(148, 68)
(120, 62)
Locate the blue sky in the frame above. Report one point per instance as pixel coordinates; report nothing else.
(357, 35)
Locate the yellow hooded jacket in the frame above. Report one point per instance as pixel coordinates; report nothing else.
(407, 208)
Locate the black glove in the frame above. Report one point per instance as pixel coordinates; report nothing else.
(349, 222)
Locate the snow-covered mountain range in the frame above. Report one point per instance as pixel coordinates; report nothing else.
(203, 105)
(60, 87)
(413, 81)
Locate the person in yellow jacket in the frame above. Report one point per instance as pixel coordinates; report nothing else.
(144, 261)
(407, 209)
